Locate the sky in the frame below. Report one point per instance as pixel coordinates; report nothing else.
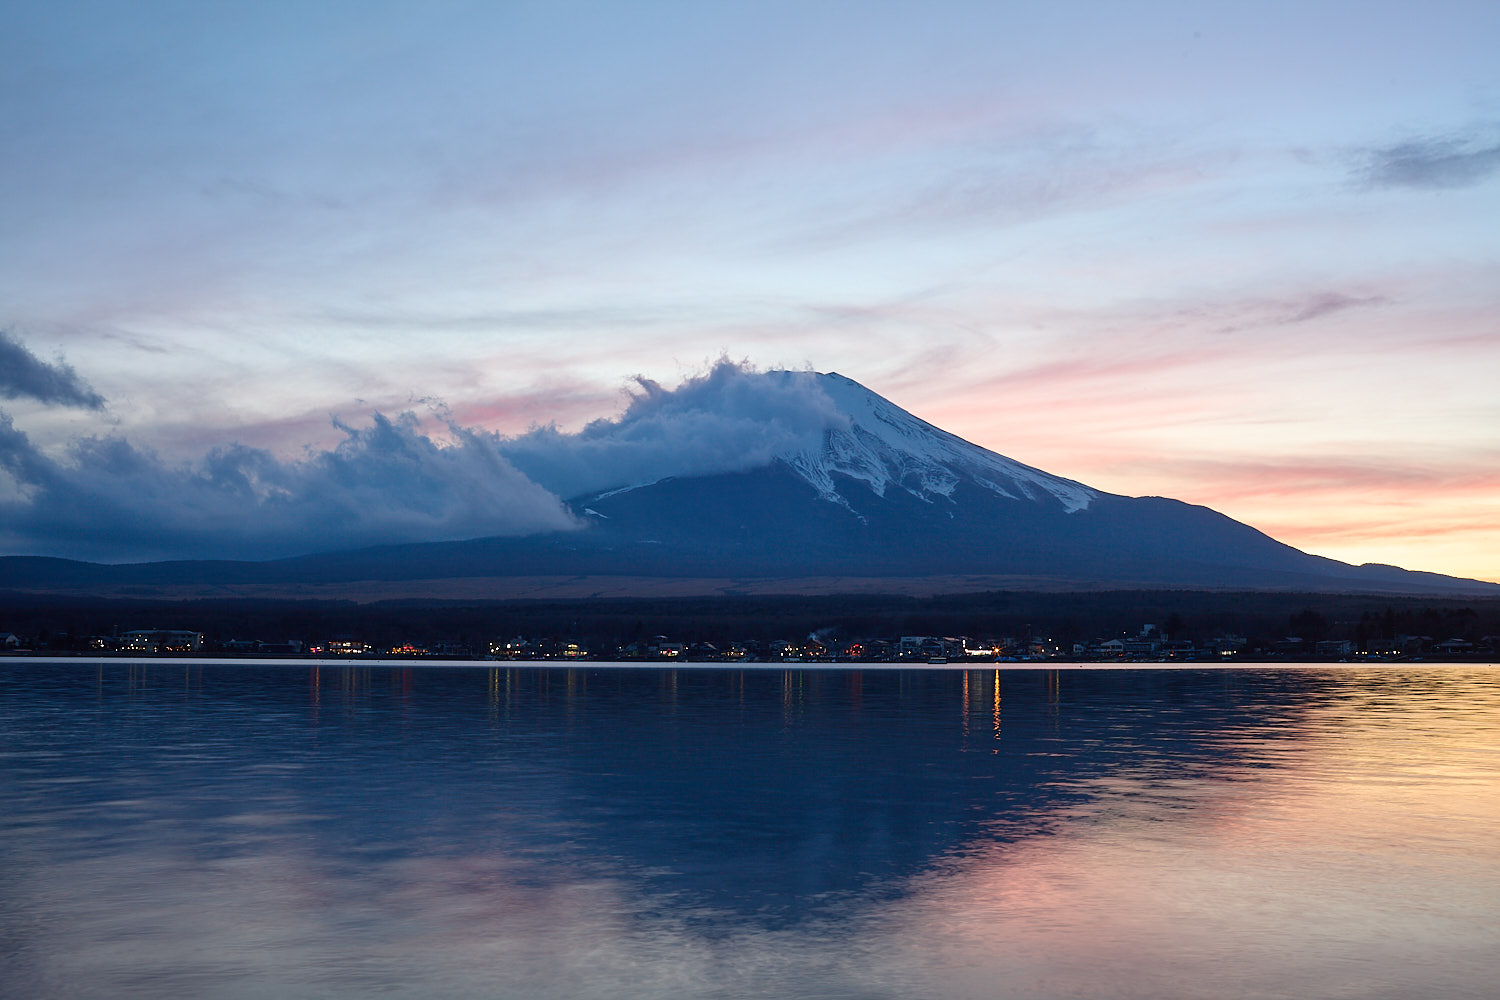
(1243, 255)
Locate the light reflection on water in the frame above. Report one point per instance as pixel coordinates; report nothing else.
(171, 830)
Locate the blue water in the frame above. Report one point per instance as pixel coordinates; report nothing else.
(231, 830)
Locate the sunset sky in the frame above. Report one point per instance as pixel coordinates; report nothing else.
(1244, 255)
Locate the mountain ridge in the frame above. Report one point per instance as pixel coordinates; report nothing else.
(858, 489)
(872, 450)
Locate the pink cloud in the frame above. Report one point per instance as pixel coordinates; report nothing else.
(566, 405)
(1227, 478)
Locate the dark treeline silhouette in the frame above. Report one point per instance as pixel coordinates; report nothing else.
(597, 623)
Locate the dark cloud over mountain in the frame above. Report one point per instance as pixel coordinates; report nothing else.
(107, 499)
(25, 376)
(112, 501)
(731, 419)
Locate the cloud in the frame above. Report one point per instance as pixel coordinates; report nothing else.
(1367, 478)
(1326, 303)
(384, 483)
(731, 419)
(1432, 163)
(25, 376)
(389, 482)
(1029, 178)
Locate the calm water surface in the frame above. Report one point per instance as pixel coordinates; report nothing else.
(198, 830)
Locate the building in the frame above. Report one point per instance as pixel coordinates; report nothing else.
(159, 640)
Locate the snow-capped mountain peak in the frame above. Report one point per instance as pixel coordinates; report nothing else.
(887, 448)
(829, 430)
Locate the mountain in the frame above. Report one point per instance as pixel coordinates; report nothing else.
(870, 496)
(888, 494)
(883, 448)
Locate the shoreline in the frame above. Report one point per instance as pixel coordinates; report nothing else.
(760, 665)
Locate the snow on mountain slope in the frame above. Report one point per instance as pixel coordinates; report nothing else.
(827, 429)
(888, 448)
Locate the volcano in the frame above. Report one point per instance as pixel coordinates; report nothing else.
(866, 497)
(886, 494)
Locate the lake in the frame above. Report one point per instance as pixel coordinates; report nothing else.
(196, 829)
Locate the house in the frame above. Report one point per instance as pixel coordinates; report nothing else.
(161, 640)
(666, 649)
(929, 647)
(1226, 645)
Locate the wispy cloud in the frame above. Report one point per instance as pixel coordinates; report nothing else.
(25, 376)
(1029, 178)
(1371, 478)
(1449, 162)
(1323, 304)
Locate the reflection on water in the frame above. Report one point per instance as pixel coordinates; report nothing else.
(171, 830)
